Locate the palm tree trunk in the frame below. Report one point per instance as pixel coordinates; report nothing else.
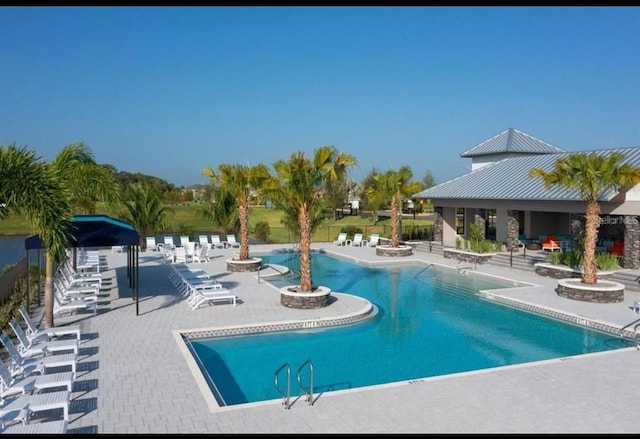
(243, 213)
(395, 222)
(305, 250)
(592, 222)
(48, 291)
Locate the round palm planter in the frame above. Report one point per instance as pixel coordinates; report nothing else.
(237, 265)
(603, 291)
(292, 297)
(387, 250)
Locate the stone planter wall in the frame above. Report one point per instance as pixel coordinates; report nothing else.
(563, 272)
(465, 256)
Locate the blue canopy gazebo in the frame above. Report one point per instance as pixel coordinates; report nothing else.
(90, 231)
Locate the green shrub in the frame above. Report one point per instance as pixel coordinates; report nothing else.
(606, 261)
(555, 258)
(261, 231)
(571, 258)
(458, 243)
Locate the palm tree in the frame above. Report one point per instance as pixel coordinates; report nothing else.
(30, 186)
(390, 187)
(83, 181)
(145, 211)
(240, 181)
(591, 175)
(297, 185)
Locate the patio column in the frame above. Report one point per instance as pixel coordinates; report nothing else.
(513, 227)
(437, 224)
(480, 219)
(631, 242)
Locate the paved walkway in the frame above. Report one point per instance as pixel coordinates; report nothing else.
(133, 376)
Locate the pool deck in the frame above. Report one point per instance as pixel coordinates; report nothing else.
(133, 376)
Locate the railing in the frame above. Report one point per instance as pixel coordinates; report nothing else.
(636, 322)
(423, 270)
(308, 391)
(285, 395)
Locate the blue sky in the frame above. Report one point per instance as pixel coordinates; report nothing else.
(169, 91)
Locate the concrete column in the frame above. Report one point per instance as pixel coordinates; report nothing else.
(631, 260)
(437, 224)
(480, 219)
(449, 226)
(513, 226)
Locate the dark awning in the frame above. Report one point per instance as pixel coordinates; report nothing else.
(94, 231)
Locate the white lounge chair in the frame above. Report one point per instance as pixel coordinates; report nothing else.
(151, 243)
(168, 243)
(38, 402)
(357, 240)
(184, 240)
(13, 385)
(203, 240)
(342, 239)
(374, 238)
(34, 333)
(215, 241)
(231, 240)
(201, 255)
(198, 297)
(49, 427)
(27, 345)
(37, 363)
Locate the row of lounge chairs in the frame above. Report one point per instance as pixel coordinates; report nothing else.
(76, 290)
(209, 241)
(27, 383)
(357, 240)
(199, 287)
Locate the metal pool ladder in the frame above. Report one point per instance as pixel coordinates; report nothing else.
(286, 394)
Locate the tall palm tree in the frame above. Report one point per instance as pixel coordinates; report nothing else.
(591, 175)
(30, 186)
(297, 185)
(240, 181)
(83, 181)
(145, 211)
(390, 187)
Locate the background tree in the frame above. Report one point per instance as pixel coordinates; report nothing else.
(428, 180)
(297, 184)
(392, 186)
(221, 210)
(144, 210)
(241, 182)
(375, 203)
(591, 176)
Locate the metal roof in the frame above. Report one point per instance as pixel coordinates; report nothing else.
(508, 179)
(512, 140)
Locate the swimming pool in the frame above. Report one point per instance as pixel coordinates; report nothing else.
(430, 322)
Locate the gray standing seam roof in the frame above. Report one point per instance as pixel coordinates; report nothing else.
(514, 141)
(508, 179)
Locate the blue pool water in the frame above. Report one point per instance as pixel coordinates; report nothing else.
(429, 323)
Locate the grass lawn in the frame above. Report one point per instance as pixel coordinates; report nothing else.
(186, 220)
